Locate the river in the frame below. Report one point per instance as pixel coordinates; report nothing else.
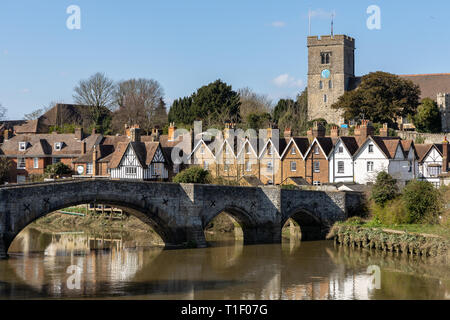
(114, 266)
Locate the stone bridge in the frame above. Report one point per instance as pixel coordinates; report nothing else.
(179, 213)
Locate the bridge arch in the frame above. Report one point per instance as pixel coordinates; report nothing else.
(242, 217)
(311, 226)
(150, 214)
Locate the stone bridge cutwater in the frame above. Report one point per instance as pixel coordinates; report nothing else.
(179, 213)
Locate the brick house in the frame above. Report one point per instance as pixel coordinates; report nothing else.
(30, 154)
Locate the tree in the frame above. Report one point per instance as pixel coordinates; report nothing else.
(58, 169)
(193, 175)
(281, 108)
(5, 167)
(296, 115)
(180, 112)
(98, 93)
(2, 112)
(258, 121)
(428, 117)
(381, 97)
(384, 189)
(140, 102)
(254, 105)
(422, 201)
(216, 103)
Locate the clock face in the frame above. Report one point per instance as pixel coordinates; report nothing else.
(80, 169)
(326, 74)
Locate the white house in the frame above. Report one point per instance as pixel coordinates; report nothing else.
(341, 166)
(430, 163)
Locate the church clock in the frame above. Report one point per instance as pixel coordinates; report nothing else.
(326, 74)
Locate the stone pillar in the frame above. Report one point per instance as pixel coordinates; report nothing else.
(3, 248)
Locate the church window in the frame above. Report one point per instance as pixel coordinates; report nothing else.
(330, 84)
(321, 85)
(325, 98)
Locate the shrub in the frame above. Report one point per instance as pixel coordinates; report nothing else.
(422, 201)
(5, 166)
(58, 169)
(384, 189)
(393, 212)
(193, 175)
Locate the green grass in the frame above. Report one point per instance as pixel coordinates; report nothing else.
(432, 229)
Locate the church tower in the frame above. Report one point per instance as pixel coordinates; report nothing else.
(331, 72)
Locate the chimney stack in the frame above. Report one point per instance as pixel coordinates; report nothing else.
(288, 133)
(79, 134)
(384, 132)
(445, 155)
(172, 130)
(317, 131)
(135, 134)
(155, 135)
(94, 161)
(363, 131)
(334, 132)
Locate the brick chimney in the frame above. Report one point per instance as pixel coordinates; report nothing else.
(6, 134)
(445, 158)
(79, 134)
(228, 127)
(172, 130)
(363, 131)
(94, 161)
(135, 134)
(384, 132)
(334, 132)
(288, 133)
(317, 131)
(155, 135)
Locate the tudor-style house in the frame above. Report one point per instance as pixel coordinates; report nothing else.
(433, 162)
(139, 160)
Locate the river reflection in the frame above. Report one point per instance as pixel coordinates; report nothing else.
(115, 267)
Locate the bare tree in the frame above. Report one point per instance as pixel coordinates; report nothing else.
(253, 103)
(140, 102)
(41, 111)
(97, 92)
(2, 112)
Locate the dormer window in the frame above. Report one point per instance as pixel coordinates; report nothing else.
(370, 148)
(22, 146)
(58, 146)
(269, 150)
(293, 151)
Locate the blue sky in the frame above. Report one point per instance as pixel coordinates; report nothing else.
(185, 44)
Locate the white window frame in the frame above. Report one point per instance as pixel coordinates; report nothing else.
(205, 165)
(22, 146)
(35, 163)
(130, 171)
(21, 161)
(317, 183)
(202, 150)
(316, 166)
(371, 148)
(248, 166)
(341, 167)
(269, 166)
(316, 150)
(293, 151)
(56, 160)
(89, 168)
(370, 166)
(58, 146)
(226, 167)
(293, 166)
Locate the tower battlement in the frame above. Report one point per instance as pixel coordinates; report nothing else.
(331, 40)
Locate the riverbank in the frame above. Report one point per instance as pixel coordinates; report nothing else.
(420, 240)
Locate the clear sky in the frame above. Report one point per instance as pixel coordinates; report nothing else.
(185, 44)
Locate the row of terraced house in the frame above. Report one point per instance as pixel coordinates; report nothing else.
(248, 159)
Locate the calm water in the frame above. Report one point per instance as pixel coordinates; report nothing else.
(117, 267)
